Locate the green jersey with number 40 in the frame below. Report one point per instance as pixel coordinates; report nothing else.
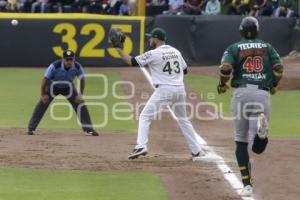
(252, 62)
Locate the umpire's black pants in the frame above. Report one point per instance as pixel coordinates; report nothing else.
(71, 93)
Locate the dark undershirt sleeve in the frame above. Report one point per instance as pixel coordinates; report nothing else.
(134, 62)
(185, 71)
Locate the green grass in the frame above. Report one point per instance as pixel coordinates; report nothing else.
(285, 105)
(20, 91)
(206, 87)
(28, 184)
(285, 113)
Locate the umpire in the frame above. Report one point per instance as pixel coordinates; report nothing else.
(58, 79)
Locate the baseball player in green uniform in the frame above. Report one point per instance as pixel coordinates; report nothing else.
(256, 70)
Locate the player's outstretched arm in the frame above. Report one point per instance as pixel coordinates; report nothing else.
(125, 56)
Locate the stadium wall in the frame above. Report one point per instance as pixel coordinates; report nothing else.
(203, 39)
(296, 37)
(38, 39)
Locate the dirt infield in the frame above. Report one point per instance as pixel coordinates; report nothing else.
(276, 173)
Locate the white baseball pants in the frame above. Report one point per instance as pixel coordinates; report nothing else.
(164, 95)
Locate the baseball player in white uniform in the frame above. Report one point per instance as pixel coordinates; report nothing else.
(167, 68)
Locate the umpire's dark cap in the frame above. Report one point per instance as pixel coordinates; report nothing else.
(158, 33)
(68, 54)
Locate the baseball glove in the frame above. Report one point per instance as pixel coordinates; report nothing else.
(116, 37)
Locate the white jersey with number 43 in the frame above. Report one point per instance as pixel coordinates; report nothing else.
(166, 65)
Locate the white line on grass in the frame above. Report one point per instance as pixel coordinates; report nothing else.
(212, 155)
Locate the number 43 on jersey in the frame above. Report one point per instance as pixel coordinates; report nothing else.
(171, 67)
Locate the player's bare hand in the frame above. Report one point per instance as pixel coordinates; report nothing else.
(45, 99)
(78, 99)
(273, 90)
(222, 88)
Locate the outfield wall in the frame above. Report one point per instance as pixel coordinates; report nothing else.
(296, 37)
(39, 39)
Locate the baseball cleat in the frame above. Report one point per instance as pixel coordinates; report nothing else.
(262, 126)
(91, 133)
(30, 132)
(198, 156)
(137, 152)
(247, 191)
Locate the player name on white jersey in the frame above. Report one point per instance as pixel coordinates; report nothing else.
(170, 57)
